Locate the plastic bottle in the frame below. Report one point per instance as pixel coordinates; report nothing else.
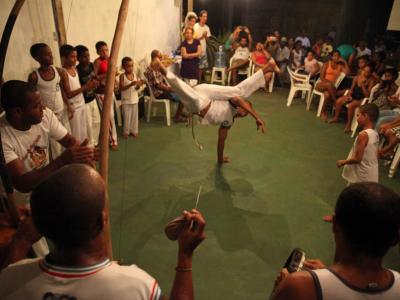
(220, 58)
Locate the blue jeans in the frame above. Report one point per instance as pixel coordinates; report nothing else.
(386, 116)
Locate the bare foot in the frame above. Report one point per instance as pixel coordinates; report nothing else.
(333, 120)
(114, 148)
(328, 218)
(347, 129)
(225, 160)
(134, 135)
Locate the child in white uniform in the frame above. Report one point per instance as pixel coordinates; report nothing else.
(130, 98)
(362, 162)
(74, 92)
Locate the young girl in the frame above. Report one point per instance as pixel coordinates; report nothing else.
(128, 86)
(361, 88)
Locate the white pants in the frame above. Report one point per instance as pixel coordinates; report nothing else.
(55, 147)
(113, 139)
(93, 122)
(79, 124)
(131, 118)
(197, 98)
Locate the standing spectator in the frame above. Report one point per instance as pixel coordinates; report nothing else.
(86, 72)
(202, 31)
(74, 219)
(305, 41)
(362, 49)
(190, 51)
(190, 21)
(365, 226)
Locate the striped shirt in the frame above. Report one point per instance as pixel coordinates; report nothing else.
(39, 279)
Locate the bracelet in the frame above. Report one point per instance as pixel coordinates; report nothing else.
(177, 269)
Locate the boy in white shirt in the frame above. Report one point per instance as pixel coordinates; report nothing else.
(128, 86)
(202, 32)
(362, 162)
(240, 59)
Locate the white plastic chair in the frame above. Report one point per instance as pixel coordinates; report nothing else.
(244, 71)
(150, 100)
(395, 163)
(218, 79)
(321, 95)
(298, 82)
(354, 123)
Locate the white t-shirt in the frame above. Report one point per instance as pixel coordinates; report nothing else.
(367, 169)
(130, 95)
(304, 41)
(332, 286)
(220, 113)
(310, 66)
(37, 279)
(31, 146)
(199, 31)
(241, 53)
(364, 52)
(283, 54)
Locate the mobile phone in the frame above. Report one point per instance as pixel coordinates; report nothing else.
(295, 261)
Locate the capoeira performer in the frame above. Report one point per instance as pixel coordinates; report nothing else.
(220, 105)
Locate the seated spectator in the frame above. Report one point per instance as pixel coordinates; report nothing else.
(282, 59)
(311, 65)
(159, 86)
(327, 49)
(260, 57)
(347, 52)
(317, 48)
(190, 51)
(365, 226)
(305, 41)
(297, 56)
(77, 267)
(329, 74)
(271, 45)
(391, 133)
(362, 49)
(378, 59)
(26, 129)
(232, 42)
(240, 59)
(379, 45)
(360, 89)
(387, 98)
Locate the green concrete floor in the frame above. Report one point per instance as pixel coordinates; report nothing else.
(269, 199)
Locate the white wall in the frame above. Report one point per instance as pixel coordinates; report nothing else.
(151, 24)
(394, 21)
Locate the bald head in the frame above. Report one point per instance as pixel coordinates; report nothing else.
(67, 207)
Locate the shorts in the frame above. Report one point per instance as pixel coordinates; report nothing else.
(203, 64)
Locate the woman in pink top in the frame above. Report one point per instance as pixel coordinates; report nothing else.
(260, 57)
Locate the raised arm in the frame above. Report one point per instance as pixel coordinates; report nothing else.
(240, 102)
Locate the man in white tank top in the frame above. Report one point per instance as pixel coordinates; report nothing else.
(220, 105)
(47, 80)
(74, 92)
(365, 226)
(361, 164)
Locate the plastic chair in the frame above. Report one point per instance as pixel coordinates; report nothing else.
(395, 163)
(215, 78)
(321, 95)
(270, 83)
(244, 71)
(298, 82)
(150, 100)
(354, 123)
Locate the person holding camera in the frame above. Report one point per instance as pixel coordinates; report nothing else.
(329, 74)
(365, 226)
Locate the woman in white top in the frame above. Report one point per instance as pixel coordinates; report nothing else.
(130, 99)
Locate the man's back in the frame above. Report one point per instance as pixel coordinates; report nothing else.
(331, 286)
(37, 279)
